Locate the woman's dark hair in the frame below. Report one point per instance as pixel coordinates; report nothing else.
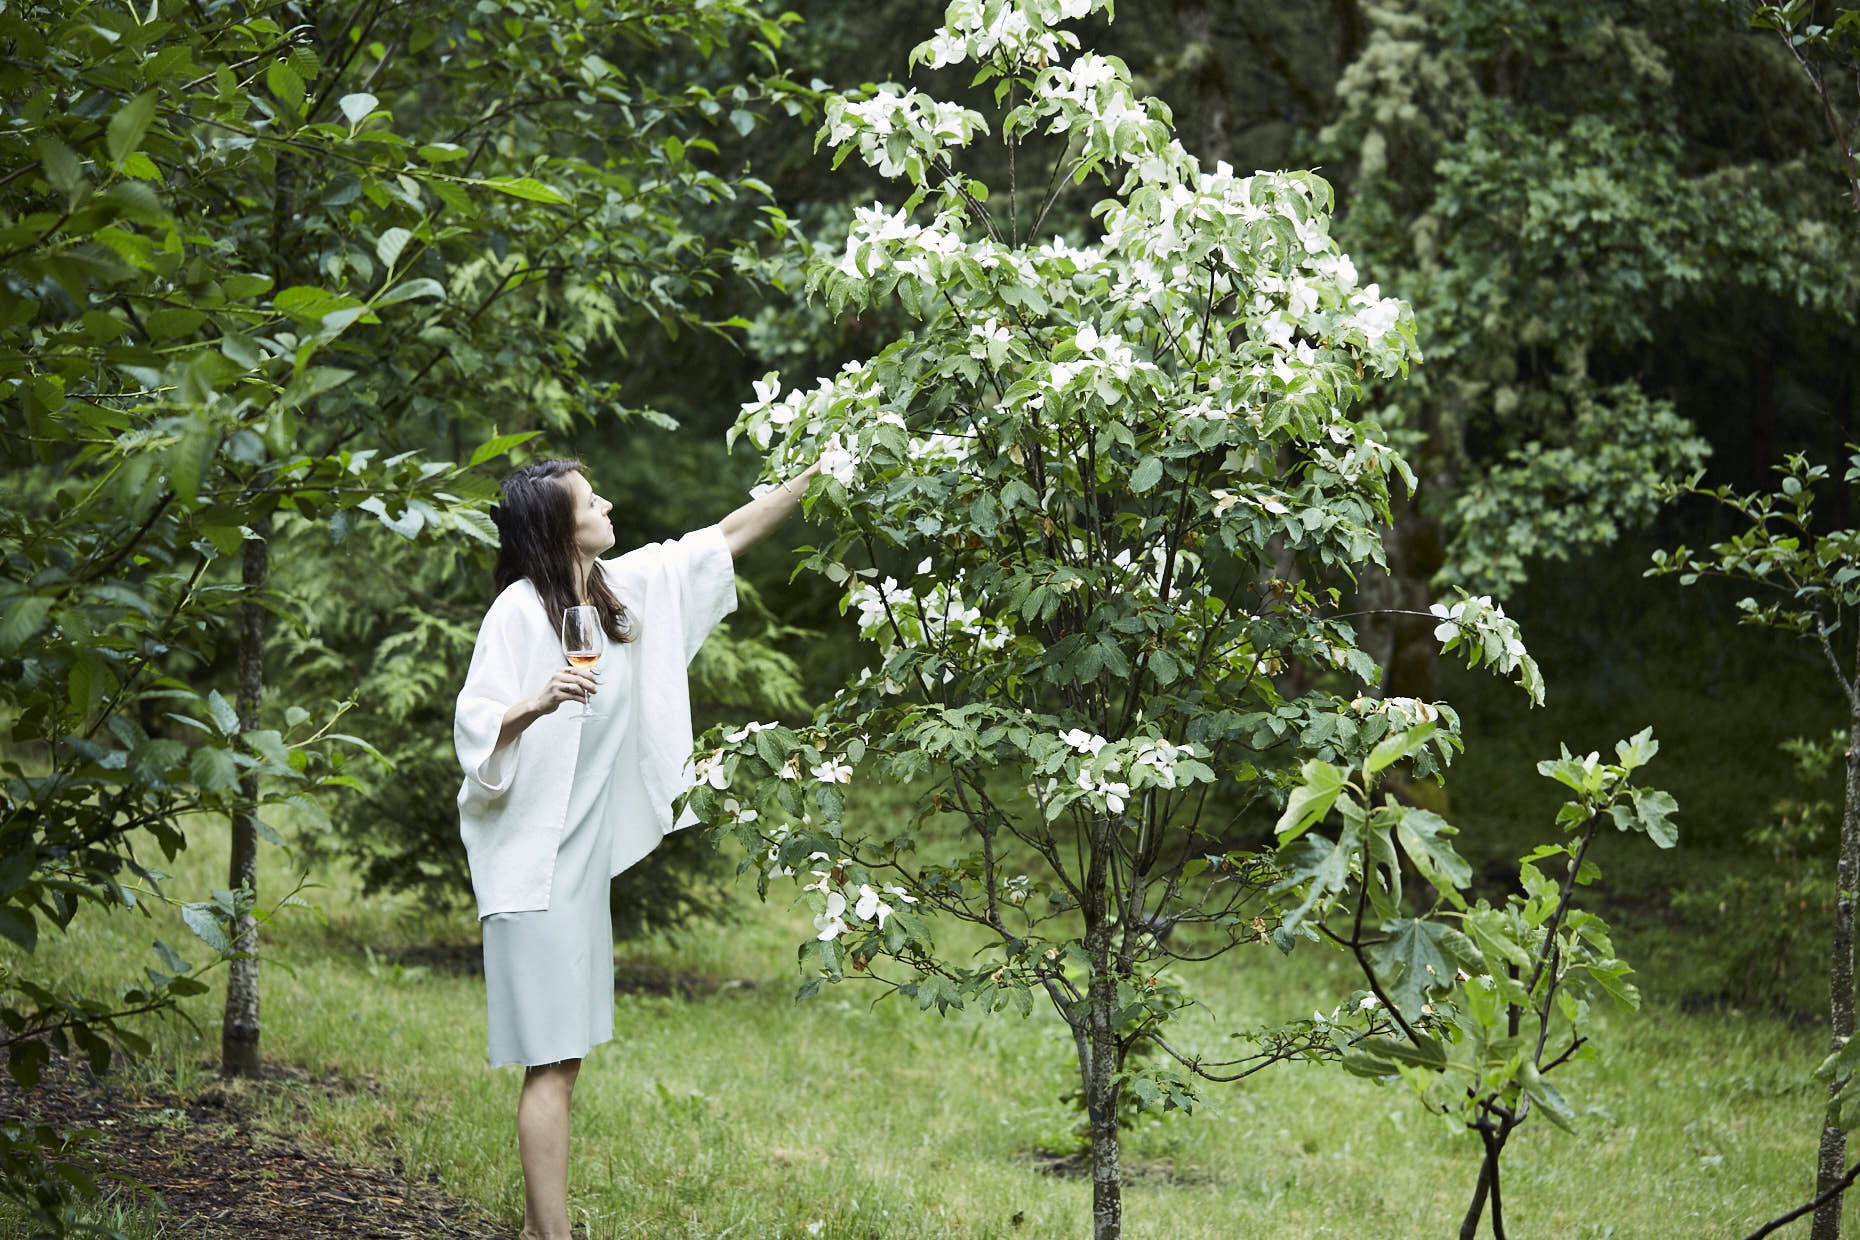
(536, 539)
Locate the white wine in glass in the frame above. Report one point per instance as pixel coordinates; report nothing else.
(583, 641)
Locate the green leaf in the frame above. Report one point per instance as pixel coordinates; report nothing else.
(1426, 1053)
(304, 60)
(498, 446)
(1424, 837)
(1492, 932)
(1423, 956)
(129, 124)
(407, 290)
(18, 925)
(476, 524)
(270, 746)
(1545, 1095)
(170, 959)
(1394, 748)
(225, 718)
(25, 1060)
(1318, 865)
(204, 920)
(22, 620)
(357, 107)
(63, 169)
(286, 85)
(1147, 474)
(214, 769)
(188, 457)
(1360, 1063)
(389, 244)
(1653, 808)
(523, 187)
(1637, 750)
(310, 304)
(1310, 800)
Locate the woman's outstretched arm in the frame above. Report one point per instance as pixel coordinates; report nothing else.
(757, 519)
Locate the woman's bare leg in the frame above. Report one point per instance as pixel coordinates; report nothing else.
(542, 1144)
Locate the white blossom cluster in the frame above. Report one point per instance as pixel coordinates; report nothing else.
(1105, 772)
(1347, 452)
(1403, 712)
(868, 905)
(1018, 31)
(1490, 637)
(938, 451)
(1099, 356)
(830, 425)
(929, 126)
(1187, 210)
(712, 769)
(1085, 83)
(893, 615)
(880, 239)
(1092, 98)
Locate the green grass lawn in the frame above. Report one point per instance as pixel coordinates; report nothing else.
(743, 1114)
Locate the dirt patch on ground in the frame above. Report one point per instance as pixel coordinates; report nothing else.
(216, 1175)
(631, 976)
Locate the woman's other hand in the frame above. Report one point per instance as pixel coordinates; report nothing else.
(569, 684)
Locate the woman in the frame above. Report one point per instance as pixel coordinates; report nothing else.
(555, 802)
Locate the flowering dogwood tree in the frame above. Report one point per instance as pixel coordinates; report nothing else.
(1089, 511)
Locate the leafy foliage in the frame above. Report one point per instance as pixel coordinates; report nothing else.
(267, 281)
(1489, 1000)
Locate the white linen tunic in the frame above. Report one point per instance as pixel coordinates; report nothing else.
(548, 818)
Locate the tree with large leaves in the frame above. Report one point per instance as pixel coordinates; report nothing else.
(267, 270)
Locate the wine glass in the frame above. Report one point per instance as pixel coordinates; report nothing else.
(583, 641)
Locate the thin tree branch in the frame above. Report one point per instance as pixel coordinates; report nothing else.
(1783, 1220)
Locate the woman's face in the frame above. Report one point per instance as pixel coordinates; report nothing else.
(594, 533)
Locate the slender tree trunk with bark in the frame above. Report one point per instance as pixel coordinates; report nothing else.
(1831, 1159)
(1099, 1058)
(239, 1031)
(1107, 1172)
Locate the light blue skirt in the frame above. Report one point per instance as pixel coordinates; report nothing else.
(549, 975)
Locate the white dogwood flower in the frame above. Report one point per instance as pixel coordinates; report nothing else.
(746, 731)
(833, 771)
(710, 771)
(871, 907)
(832, 923)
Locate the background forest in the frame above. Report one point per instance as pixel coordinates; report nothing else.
(285, 288)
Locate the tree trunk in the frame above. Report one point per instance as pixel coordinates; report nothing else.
(1469, 1226)
(1830, 1163)
(239, 1031)
(1098, 1052)
(1107, 1173)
